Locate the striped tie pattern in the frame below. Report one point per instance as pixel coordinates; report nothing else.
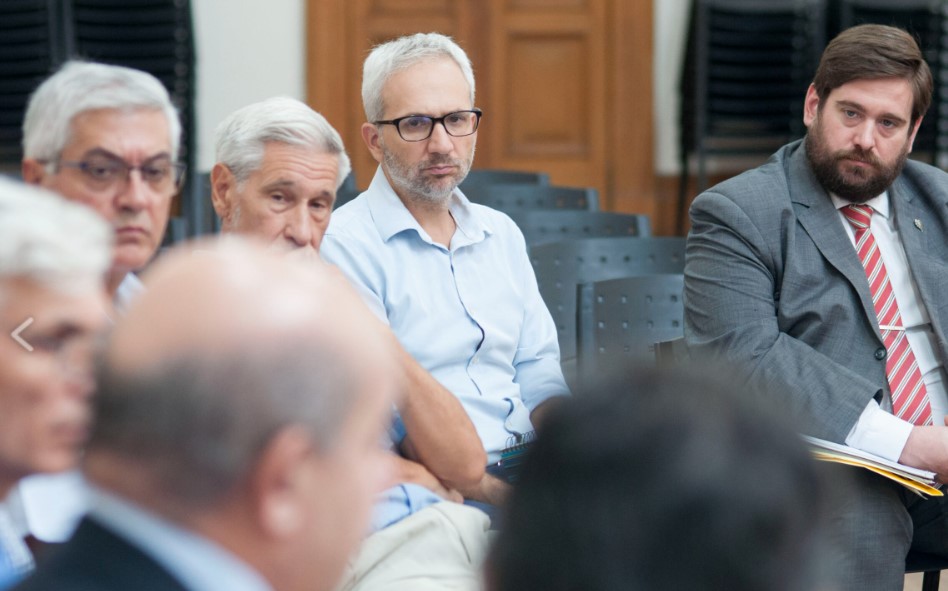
(909, 396)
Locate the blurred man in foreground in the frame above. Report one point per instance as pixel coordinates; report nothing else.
(53, 255)
(107, 137)
(239, 410)
(675, 482)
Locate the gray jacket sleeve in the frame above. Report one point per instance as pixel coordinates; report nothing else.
(780, 337)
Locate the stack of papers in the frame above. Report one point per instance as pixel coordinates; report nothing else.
(919, 481)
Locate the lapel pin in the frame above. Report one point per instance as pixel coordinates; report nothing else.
(918, 223)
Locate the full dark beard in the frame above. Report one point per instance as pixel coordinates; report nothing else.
(856, 185)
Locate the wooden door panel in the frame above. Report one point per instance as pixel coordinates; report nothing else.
(540, 65)
(565, 84)
(549, 61)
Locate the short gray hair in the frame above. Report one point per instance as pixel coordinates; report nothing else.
(199, 420)
(49, 240)
(390, 57)
(87, 86)
(243, 135)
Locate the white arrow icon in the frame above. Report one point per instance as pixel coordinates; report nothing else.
(16, 334)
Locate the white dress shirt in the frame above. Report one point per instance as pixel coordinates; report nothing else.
(877, 431)
(15, 557)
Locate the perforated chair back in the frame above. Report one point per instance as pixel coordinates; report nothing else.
(621, 320)
(561, 266)
(518, 197)
(494, 176)
(347, 191)
(540, 226)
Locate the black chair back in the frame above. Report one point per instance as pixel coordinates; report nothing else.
(748, 66)
(621, 320)
(517, 197)
(540, 226)
(496, 176)
(347, 191)
(561, 266)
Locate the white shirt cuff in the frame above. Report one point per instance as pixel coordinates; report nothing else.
(879, 432)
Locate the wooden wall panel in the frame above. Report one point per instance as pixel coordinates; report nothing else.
(565, 84)
(631, 162)
(529, 5)
(531, 126)
(549, 59)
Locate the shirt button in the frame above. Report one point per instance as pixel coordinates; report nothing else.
(880, 353)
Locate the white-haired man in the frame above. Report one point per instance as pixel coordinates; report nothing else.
(53, 255)
(451, 278)
(107, 137)
(279, 164)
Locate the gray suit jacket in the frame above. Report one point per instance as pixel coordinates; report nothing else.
(773, 284)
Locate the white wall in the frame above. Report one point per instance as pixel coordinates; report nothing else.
(670, 35)
(247, 50)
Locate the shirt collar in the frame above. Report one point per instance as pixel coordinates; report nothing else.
(879, 203)
(391, 217)
(197, 562)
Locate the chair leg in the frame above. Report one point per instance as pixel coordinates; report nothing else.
(930, 580)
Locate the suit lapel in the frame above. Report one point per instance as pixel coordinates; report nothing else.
(818, 216)
(914, 217)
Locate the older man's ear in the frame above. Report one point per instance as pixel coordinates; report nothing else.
(32, 171)
(223, 188)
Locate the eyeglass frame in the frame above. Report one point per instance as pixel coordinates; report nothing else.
(434, 120)
(179, 169)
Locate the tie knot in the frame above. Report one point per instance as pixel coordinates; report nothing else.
(858, 216)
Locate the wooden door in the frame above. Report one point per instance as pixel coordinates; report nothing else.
(565, 85)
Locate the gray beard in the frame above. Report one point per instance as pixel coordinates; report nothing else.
(415, 187)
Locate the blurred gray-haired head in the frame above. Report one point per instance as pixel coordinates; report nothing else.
(49, 240)
(229, 346)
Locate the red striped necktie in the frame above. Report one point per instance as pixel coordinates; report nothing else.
(909, 396)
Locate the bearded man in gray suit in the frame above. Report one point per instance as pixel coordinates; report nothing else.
(823, 276)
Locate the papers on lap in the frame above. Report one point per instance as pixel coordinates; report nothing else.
(918, 481)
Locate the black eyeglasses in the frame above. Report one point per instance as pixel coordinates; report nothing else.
(416, 128)
(106, 173)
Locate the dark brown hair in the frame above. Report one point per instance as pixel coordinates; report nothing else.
(871, 52)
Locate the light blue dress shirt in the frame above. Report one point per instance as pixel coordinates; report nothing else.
(200, 564)
(398, 502)
(470, 314)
